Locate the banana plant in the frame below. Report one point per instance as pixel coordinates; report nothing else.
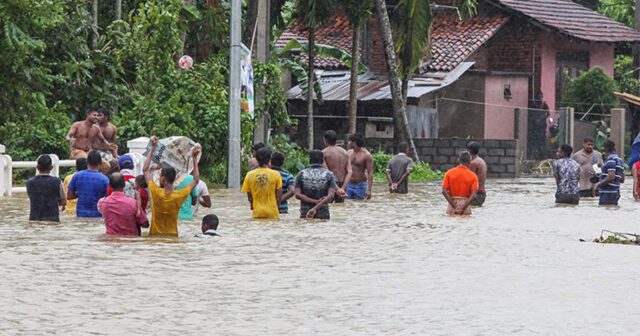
(299, 68)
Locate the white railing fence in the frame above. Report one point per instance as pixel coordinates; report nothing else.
(7, 165)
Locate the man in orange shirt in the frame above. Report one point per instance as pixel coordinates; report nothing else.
(460, 186)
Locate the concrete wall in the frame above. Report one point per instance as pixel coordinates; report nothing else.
(499, 116)
(459, 118)
(600, 55)
(442, 154)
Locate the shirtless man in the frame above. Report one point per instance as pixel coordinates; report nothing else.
(108, 131)
(336, 159)
(360, 184)
(479, 167)
(587, 157)
(83, 134)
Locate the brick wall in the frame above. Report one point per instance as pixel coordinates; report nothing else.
(442, 154)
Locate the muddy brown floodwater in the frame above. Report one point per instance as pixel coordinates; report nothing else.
(395, 265)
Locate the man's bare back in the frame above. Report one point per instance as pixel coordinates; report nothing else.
(479, 166)
(337, 161)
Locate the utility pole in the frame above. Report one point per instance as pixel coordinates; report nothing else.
(636, 46)
(233, 171)
(263, 35)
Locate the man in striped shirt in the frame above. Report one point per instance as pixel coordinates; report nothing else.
(612, 176)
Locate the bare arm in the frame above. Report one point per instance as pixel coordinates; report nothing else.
(321, 202)
(62, 201)
(278, 196)
(304, 198)
(404, 176)
(196, 171)
(206, 201)
(447, 196)
(347, 178)
(250, 199)
(369, 163)
(71, 135)
(290, 192)
(96, 133)
(146, 168)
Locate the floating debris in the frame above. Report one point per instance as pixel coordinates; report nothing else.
(618, 238)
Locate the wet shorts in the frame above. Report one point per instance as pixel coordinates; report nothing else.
(357, 191)
(481, 196)
(609, 198)
(567, 198)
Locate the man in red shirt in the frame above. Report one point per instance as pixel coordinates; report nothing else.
(460, 186)
(121, 214)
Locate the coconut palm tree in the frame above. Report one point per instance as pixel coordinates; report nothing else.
(402, 132)
(313, 14)
(413, 20)
(359, 13)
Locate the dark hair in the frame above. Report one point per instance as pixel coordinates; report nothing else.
(357, 138)
(588, 139)
(277, 159)
(90, 110)
(331, 137)
(464, 158)
(211, 221)
(258, 147)
(169, 173)
(609, 146)
(81, 164)
(44, 163)
(116, 181)
(473, 147)
(94, 159)
(263, 155)
(141, 181)
(105, 111)
(567, 150)
(403, 147)
(316, 157)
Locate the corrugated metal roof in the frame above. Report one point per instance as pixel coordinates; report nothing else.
(372, 88)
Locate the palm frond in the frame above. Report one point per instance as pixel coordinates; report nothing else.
(321, 50)
(467, 8)
(413, 21)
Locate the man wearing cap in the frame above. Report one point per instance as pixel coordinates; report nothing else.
(125, 163)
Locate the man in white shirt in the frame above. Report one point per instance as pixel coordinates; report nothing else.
(203, 198)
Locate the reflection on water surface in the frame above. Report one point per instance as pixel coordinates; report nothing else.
(393, 265)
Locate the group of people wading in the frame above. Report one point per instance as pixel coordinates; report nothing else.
(105, 185)
(336, 174)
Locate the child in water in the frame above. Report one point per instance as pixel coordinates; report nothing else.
(209, 227)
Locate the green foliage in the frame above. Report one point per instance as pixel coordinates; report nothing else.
(275, 100)
(624, 76)
(422, 172)
(314, 13)
(413, 20)
(296, 158)
(590, 88)
(620, 10)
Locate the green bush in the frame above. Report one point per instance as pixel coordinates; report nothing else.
(296, 158)
(592, 87)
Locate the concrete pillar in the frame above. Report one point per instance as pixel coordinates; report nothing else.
(618, 129)
(138, 145)
(7, 174)
(2, 149)
(572, 126)
(55, 161)
(262, 50)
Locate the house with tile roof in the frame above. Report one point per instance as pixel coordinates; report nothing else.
(483, 75)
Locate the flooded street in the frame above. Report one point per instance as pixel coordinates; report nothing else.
(395, 265)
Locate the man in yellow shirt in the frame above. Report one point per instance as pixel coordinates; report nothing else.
(263, 187)
(165, 202)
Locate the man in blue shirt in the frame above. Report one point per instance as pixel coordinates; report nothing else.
(89, 186)
(611, 177)
(277, 161)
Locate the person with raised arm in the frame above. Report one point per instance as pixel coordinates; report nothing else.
(165, 201)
